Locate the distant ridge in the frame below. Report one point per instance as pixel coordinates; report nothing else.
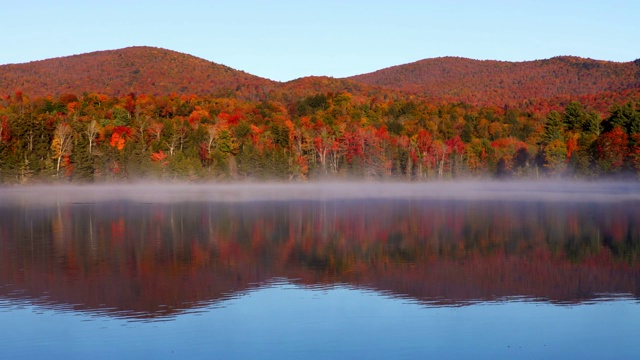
(139, 69)
(496, 82)
(158, 71)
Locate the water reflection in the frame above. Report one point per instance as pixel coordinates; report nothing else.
(147, 260)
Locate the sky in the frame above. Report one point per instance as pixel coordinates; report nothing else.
(284, 40)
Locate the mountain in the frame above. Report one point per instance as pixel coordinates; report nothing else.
(501, 82)
(135, 69)
(159, 71)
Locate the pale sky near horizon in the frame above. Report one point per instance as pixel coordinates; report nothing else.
(285, 39)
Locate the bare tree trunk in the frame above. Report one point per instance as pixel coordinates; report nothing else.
(92, 131)
(212, 134)
(63, 135)
(30, 140)
(142, 125)
(323, 159)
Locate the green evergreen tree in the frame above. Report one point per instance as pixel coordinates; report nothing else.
(82, 161)
(553, 128)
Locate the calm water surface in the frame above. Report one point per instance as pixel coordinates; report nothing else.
(526, 270)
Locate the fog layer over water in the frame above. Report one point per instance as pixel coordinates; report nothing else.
(574, 191)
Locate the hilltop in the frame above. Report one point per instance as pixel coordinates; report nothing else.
(501, 82)
(147, 70)
(156, 71)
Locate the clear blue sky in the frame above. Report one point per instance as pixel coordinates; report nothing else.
(284, 40)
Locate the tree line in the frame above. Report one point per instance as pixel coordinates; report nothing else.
(95, 137)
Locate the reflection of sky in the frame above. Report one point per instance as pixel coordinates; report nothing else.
(288, 321)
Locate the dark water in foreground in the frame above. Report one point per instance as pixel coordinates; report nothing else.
(346, 271)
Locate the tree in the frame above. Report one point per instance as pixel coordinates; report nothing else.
(4, 129)
(574, 117)
(82, 160)
(92, 131)
(509, 153)
(62, 143)
(424, 142)
(441, 152)
(555, 156)
(552, 142)
(553, 128)
(612, 150)
(456, 148)
(634, 153)
(627, 117)
(336, 153)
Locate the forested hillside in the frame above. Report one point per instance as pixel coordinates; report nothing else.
(502, 82)
(147, 70)
(156, 71)
(152, 113)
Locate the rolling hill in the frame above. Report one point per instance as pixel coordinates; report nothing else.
(501, 82)
(159, 71)
(135, 69)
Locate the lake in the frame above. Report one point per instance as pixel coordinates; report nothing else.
(523, 270)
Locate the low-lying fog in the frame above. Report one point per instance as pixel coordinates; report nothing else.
(225, 192)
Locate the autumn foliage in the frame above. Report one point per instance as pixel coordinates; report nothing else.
(76, 121)
(502, 82)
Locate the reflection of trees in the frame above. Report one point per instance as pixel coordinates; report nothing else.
(154, 257)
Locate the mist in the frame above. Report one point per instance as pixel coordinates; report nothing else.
(554, 191)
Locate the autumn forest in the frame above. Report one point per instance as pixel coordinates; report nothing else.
(147, 113)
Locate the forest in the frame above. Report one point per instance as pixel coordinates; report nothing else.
(93, 137)
(149, 113)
